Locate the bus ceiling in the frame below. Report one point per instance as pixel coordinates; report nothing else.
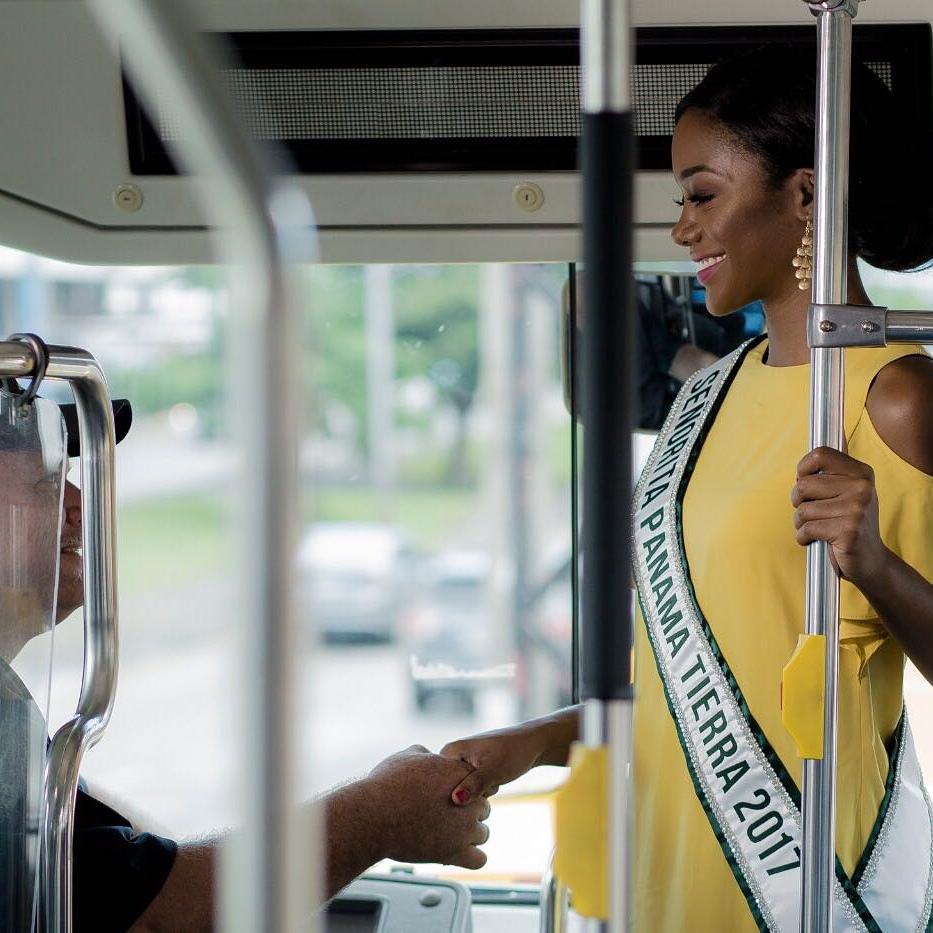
(423, 130)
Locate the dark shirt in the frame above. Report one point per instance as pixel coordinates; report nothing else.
(657, 347)
(658, 344)
(117, 872)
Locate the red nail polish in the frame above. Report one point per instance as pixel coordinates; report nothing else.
(462, 795)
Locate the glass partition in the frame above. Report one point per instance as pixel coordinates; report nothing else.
(37, 556)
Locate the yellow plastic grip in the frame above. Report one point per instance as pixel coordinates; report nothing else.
(803, 695)
(581, 859)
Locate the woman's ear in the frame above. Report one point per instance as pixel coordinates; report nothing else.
(803, 193)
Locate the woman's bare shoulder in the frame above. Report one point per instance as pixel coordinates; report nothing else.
(900, 405)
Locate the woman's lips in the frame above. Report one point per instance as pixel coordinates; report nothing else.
(707, 272)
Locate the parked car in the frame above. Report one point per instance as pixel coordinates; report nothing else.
(454, 651)
(355, 579)
(447, 632)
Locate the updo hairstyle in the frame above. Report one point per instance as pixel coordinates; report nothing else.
(766, 100)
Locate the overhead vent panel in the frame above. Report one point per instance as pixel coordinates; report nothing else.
(478, 100)
(397, 101)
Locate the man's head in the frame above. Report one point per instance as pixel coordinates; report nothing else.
(71, 567)
(71, 563)
(30, 509)
(40, 521)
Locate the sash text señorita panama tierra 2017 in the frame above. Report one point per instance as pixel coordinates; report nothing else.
(751, 801)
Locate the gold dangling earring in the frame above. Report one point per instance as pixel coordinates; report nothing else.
(803, 261)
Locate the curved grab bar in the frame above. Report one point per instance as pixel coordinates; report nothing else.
(99, 679)
(262, 222)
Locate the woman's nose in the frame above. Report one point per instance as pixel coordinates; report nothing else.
(685, 231)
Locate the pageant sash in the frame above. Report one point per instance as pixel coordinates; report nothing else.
(751, 801)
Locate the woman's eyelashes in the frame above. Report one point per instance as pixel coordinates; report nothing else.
(694, 199)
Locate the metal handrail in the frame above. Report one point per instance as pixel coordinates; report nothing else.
(866, 326)
(909, 327)
(99, 679)
(827, 388)
(263, 222)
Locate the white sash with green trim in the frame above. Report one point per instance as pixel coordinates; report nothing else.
(750, 800)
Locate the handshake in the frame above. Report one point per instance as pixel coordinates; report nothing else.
(420, 807)
(405, 810)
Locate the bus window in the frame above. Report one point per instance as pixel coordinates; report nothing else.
(432, 564)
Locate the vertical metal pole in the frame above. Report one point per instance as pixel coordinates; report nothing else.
(834, 36)
(263, 224)
(608, 383)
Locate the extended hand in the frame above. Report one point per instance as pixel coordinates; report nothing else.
(835, 501)
(503, 755)
(411, 792)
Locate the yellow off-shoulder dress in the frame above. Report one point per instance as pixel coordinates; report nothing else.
(749, 576)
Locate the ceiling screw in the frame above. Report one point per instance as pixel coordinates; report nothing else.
(128, 198)
(528, 196)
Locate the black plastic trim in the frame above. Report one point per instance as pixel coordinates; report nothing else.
(908, 47)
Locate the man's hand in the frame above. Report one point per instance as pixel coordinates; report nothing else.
(403, 810)
(411, 791)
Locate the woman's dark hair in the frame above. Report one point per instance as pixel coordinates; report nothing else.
(766, 99)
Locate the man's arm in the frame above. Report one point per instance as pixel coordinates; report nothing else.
(186, 901)
(689, 359)
(402, 810)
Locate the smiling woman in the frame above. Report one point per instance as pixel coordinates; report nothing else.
(743, 155)
(720, 523)
(734, 217)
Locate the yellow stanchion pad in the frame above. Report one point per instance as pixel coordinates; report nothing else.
(581, 858)
(803, 695)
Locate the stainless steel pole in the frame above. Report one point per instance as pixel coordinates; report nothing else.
(609, 723)
(909, 327)
(608, 368)
(834, 37)
(866, 326)
(263, 223)
(99, 680)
